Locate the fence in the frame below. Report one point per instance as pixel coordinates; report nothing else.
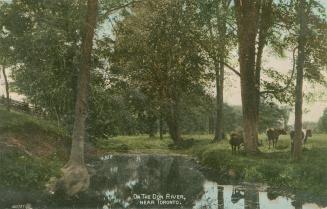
(21, 106)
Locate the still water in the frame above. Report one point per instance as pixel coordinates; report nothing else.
(155, 181)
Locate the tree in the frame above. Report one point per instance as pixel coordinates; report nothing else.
(5, 61)
(297, 151)
(157, 51)
(44, 38)
(75, 175)
(6, 87)
(322, 124)
(246, 15)
(214, 15)
(45, 52)
(299, 90)
(265, 23)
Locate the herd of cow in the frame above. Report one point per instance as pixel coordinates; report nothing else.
(236, 138)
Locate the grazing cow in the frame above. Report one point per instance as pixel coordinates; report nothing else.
(273, 135)
(305, 135)
(308, 133)
(236, 139)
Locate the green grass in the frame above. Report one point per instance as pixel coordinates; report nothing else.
(20, 123)
(136, 144)
(31, 150)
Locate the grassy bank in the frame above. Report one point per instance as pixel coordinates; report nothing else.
(271, 166)
(31, 150)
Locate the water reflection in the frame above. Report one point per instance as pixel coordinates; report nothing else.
(220, 197)
(145, 181)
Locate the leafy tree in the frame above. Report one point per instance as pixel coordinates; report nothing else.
(309, 60)
(273, 23)
(156, 49)
(45, 37)
(75, 177)
(215, 15)
(45, 51)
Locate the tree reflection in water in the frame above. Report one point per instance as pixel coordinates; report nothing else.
(119, 178)
(150, 175)
(220, 197)
(251, 197)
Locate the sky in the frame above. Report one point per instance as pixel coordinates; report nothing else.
(312, 110)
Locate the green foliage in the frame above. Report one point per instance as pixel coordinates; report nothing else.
(322, 124)
(272, 116)
(45, 38)
(284, 36)
(20, 171)
(138, 144)
(156, 51)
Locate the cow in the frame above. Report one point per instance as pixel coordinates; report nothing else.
(305, 135)
(236, 139)
(273, 135)
(308, 133)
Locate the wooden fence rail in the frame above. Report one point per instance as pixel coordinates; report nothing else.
(21, 106)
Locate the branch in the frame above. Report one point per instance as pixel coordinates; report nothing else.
(108, 12)
(206, 48)
(231, 68)
(288, 83)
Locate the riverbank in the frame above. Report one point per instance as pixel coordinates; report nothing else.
(272, 166)
(33, 150)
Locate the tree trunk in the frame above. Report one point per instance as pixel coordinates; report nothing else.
(299, 84)
(75, 177)
(7, 87)
(211, 121)
(265, 23)
(152, 126)
(161, 126)
(246, 21)
(219, 101)
(220, 71)
(172, 119)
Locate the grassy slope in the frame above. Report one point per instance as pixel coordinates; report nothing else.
(31, 150)
(272, 166)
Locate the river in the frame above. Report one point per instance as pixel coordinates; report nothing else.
(158, 181)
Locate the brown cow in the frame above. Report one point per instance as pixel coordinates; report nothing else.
(236, 139)
(273, 135)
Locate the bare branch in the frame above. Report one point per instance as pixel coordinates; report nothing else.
(231, 68)
(110, 11)
(288, 83)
